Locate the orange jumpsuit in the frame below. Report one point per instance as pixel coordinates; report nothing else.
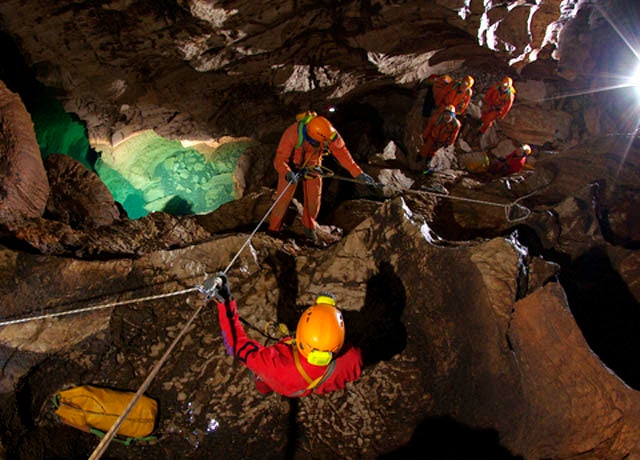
(440, 84)
(497, 104)
(459, 97)
(292, 158)
(438, 133)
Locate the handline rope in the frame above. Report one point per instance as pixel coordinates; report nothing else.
(140, 299)
(96, 307)
(507, 206)
(104, 443)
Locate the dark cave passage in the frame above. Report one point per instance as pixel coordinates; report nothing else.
(601, 303)
(606, 312)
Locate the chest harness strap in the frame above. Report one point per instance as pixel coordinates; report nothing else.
(312, 383)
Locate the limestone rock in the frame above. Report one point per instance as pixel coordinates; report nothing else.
(533, 125)
(569, 392)
(23, 182)
(78, 196)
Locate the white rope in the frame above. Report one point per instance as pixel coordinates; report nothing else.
(9, 322)
(507, 206)
(94, 308)
(104, 443)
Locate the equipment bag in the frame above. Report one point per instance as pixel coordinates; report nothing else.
(474, 162)
(93, 409)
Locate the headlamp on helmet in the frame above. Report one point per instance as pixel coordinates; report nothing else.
(320, 331)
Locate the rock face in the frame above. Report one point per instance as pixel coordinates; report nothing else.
(250, 58)
(23, 182)
(78, 196)
(484, 306)
(460, 346)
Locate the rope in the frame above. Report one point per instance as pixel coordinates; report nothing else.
(507, 206)
(9, 322)
(104, 443)
(94, 308)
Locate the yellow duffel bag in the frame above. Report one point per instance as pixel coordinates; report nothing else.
(90, 408)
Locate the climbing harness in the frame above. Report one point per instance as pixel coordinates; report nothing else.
(311, 383)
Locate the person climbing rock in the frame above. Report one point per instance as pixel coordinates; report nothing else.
(459, 95)
(316, 361)
(512, 163)
(301, 148)
(441, 131)
(497, 102)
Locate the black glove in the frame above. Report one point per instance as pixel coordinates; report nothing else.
(223, 292)
(291, 177)
(365, 179)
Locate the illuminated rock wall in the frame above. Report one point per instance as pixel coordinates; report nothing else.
(148, 173)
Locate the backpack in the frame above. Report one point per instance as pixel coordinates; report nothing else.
(95, 410)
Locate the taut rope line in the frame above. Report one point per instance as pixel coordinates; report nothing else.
(104, 443)
(507, 206)
(96, 307)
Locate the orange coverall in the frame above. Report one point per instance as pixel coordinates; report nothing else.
(290, 158)
(497, 104)
(438, 133)
(459, 97)
(440, 84)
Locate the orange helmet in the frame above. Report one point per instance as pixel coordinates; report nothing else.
(506, 82)
(320, 129)
(450, 108)
(320, 331)
(468, 81)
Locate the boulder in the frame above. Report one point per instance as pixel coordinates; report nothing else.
(23, 182)
(78, 196)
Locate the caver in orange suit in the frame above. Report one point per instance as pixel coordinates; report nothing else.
(497, 102)
(296, 151)
(442, 130)
(459, 95)
(440, 85)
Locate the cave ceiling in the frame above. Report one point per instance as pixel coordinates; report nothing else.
(200, 69)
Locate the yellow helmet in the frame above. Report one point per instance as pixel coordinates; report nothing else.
(320, 129)
(468, 80)
(526, 149)
(320, 331)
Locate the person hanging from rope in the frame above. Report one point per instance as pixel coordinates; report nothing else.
(512, 163)
(459, 95)
(497, 102)
(316, 361)
(441, 131)
(301, 147)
